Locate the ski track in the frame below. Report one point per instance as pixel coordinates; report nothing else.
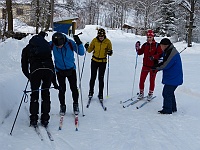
(7, 115)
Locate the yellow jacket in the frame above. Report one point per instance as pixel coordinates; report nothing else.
(99, 49)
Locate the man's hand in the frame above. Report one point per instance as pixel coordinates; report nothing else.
(110, 52)
(77, 40)
(86, 45)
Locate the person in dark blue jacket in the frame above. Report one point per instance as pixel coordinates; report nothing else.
(172, 75)
(63, 51)
(37, 65)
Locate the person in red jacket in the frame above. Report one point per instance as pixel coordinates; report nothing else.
(152, 52)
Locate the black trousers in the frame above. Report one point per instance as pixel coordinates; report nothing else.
(72, 83)
(169, 102)
(100, 67)
(43, 78)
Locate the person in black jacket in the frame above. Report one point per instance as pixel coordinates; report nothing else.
(37, 66)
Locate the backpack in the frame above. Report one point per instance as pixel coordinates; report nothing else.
(40, 49)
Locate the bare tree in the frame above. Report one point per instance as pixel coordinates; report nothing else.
(190, 7)
(10, 15)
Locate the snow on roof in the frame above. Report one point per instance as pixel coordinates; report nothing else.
(57, 19)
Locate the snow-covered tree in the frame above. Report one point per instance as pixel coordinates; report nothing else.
(168, 18)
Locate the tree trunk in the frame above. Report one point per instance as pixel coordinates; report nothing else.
(37, 16)
(10, 15)
(191, 24)
(52, 13)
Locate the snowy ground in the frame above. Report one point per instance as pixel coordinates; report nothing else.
(117, 128)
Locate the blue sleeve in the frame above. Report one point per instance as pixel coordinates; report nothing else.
(81, 50)
(78, 48)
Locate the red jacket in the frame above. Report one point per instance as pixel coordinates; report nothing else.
(150, 50)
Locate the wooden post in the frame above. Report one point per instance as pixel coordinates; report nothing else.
(73, 27)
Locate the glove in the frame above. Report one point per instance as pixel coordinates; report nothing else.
(86, 45)
(110, 52)
(151, 58)
(153, 68)
(77, 40)
(137, 45)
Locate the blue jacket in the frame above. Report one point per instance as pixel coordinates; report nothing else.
(171, 66)
(64, 57)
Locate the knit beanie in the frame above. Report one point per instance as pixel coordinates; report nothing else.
(165, 41)
(150, 33)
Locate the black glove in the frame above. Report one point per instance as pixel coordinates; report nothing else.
(154, 68)
(110, 52)
(86, 45)
(77, 40)
(151, 58)
(137, 45)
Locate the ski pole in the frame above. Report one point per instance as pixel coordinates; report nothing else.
(23, 98)
(108, 76)
(80, 79)
(134, 75)
(38, 90)
(183, 50)
(83, 65)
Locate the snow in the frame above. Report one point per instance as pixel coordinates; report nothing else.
(20, 26)
(117, 128)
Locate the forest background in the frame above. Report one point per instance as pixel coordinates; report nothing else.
(172, 18)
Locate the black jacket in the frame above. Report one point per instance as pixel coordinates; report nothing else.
(30, 62)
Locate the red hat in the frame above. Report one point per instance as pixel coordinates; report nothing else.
(150, 33)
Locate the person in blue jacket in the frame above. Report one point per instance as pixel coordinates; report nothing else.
(172, 75)
(63, 51)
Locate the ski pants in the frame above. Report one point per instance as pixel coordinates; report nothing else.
(169, 102)
(100, 67)
(72, 83)
(41, 77)
(143, 75)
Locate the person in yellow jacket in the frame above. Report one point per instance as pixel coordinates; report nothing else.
(101, 47)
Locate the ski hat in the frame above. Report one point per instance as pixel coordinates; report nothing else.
(150, 33)
(165, 41)
(101, 32)
(58, 39)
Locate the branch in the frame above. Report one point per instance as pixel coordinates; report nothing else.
(185, 4)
